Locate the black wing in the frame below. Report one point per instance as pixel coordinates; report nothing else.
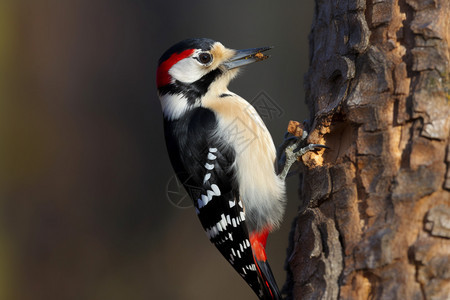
(204, 165)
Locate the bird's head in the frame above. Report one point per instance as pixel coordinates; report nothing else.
(195, 68)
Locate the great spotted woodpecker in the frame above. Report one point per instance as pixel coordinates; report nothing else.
(223, 154)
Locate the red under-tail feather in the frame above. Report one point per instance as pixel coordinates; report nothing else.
(269, 286)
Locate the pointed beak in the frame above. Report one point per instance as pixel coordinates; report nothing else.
(245, 57)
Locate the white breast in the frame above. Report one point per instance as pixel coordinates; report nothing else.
(261, 191)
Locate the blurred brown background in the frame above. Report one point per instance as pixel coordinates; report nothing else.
(85, 181)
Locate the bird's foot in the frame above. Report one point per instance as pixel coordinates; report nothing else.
(294, 151)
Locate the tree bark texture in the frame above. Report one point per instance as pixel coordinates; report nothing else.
(374, 219)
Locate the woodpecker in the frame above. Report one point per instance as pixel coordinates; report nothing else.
(223, 154)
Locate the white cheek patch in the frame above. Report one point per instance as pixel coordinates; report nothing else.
(187, 70)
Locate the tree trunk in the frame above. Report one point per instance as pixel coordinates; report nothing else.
(374, 219)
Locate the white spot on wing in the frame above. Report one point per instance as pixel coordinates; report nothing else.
(214, 231)
(209, 166)
(223, 222)
(232, 203)
(211, 156)
(213, 150)
(209, 194)
(207, 177)
(215, 189)
(205, 200)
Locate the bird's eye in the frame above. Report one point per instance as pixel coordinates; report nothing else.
(205, 58)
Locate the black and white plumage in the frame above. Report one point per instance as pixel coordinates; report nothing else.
(223, 153)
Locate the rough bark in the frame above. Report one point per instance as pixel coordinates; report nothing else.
(374, 219)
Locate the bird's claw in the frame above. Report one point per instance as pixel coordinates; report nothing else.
(302, 151)
(294, 151)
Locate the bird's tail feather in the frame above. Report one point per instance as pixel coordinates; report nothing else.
(268, 286)
(267, 280)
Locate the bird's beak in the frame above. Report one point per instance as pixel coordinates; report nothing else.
(245, 57)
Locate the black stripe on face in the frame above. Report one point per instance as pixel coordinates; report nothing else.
(192, 91)
(225, 95)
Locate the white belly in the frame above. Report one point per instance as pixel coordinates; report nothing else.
(261, 191)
